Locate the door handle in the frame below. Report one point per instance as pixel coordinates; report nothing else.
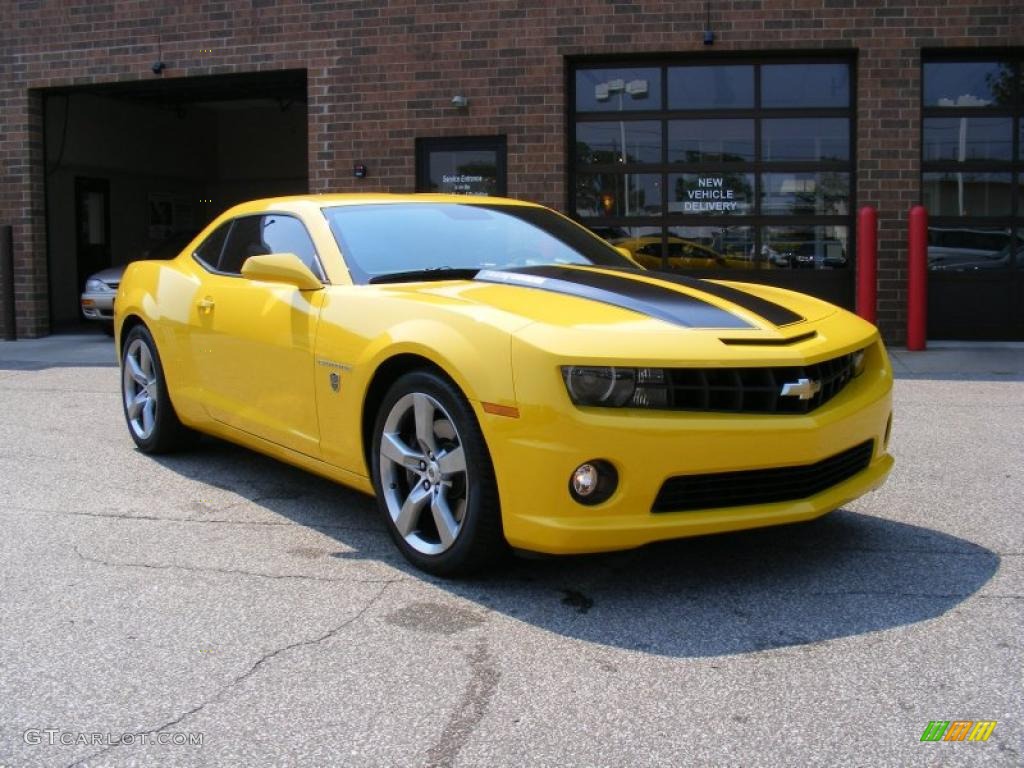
(206, 304)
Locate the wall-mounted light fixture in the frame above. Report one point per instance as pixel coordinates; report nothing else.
(460, 101)
(709, 34)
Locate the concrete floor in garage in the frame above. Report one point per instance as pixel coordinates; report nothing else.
(223, 594)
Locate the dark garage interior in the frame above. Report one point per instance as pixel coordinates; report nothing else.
(133, 166)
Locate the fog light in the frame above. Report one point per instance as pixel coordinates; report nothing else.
(584, 479)
(593, 482)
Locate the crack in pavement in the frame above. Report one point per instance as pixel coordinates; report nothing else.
(228, 571)
(198, 520)
(224, 690)
(470, 710)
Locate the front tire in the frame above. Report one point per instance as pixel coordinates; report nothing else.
(152, 422)
(434, 479)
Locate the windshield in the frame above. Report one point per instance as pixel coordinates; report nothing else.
(388, 238)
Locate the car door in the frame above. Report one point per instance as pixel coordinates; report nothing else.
(253, 341)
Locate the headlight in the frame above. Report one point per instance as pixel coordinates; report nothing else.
(616, 387)
(97, 286)
(599, 386)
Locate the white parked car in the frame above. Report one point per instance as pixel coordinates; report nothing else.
(97, 299)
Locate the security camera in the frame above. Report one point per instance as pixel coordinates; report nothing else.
(158, 67)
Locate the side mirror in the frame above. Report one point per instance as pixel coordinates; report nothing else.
(281, 268)
(629, 255)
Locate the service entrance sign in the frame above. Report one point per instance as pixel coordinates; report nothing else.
(471, 165)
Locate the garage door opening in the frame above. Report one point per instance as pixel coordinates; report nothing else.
(133, 169)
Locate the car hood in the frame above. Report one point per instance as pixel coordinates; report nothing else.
(109, 275)
(621, 313)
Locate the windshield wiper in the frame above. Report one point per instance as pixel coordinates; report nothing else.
(430, 273)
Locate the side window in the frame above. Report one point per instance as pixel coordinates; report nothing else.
(286, 234)
(244, 241)
(271, 233)
(209, 251)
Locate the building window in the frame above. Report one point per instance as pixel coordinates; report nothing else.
(972, 166)
(470, 165)
(730, 165)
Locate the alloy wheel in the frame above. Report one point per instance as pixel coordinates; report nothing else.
(141, 388)
(423, 473)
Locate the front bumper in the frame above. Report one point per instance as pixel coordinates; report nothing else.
(535, 455)
(98, 305)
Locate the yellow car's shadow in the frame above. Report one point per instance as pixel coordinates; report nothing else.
(843, 575)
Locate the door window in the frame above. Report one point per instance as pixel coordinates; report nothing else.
(263, 235)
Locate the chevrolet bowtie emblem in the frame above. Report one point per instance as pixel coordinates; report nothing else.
(805, 389)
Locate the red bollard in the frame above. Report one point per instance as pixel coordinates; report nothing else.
(867, 263)
(917, 278)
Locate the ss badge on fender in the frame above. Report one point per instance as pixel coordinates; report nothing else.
(335, 381)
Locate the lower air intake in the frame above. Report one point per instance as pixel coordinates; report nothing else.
(761, 486)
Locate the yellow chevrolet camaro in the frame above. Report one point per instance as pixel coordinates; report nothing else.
(500, 377)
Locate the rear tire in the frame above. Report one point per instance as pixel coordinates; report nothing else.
(152, 422)
(434, 478)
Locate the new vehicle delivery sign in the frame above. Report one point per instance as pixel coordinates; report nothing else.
(711, 195)
(704, 194)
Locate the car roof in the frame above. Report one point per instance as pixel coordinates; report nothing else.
(293, 202)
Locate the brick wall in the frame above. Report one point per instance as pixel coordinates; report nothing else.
(381, 73)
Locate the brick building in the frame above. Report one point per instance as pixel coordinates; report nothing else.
(730, 138)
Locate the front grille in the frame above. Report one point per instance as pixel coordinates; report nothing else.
(761, 486)
(756, 390)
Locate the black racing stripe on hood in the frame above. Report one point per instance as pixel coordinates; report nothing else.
(640, 296)
(776, 314)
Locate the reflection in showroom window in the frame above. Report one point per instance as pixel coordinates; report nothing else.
(966, 249)
(805, 247)
(702, 157)
(972, 171)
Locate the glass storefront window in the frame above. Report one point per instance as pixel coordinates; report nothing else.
(803, 247)
(794, 194)
(712, 166)
(805, 85)
(711, 194)
(711, 248)
(967, 249)
(963, 139)
(956, 193)
(603, 142)
(702, 141)
(968, 84)
(971, 183)
(800, 139)
(618, 194)
(721, 86)
(618, 90)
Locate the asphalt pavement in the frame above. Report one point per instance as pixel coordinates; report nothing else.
(217, 608)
